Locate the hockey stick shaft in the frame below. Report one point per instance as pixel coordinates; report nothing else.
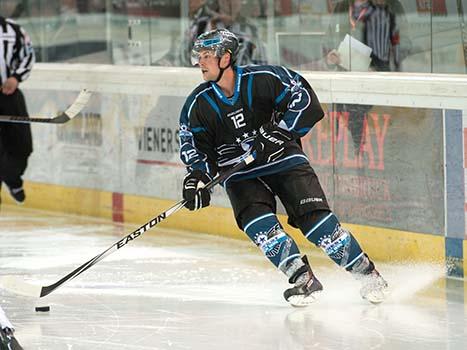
(73, 110)
(142, 229)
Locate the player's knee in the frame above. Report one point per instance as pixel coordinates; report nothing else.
(325, 231)
(252, 212)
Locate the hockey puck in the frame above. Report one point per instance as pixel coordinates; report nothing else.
(42, 308)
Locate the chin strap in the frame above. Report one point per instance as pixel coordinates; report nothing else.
(221, 70)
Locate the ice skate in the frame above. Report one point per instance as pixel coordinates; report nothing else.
(306, 287)
(374, 288)
(8, 341)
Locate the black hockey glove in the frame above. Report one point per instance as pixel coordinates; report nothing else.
(196, 198)
(270, 143)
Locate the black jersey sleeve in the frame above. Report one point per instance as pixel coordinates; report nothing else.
(196, 143)
(298, 106)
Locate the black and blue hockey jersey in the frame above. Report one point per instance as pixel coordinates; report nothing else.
(217, 131)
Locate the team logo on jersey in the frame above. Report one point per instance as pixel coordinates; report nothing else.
(300, 98)
(231, 153)
(184, 131)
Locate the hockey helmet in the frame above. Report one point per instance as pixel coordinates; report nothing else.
(219, 41)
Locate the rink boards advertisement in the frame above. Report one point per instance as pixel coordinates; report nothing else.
(119, 143)
(379, 166)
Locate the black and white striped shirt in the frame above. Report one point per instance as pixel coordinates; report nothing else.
(16, 51)
(382, 33)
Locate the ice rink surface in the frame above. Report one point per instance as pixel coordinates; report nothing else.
(178, 290)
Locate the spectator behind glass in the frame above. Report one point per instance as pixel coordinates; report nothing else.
(252, 50)
(218, 14)
(201, 13)
(374, 23)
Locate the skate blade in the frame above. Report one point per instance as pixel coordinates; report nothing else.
(377, 296)
(302, 301)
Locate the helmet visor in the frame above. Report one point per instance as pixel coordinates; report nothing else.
(203, 54)
(202, 45)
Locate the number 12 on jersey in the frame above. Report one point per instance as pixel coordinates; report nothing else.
(238, 120)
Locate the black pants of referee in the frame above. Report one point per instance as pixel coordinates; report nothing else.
(15, 141)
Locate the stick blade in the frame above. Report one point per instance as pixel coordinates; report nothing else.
(20, 286)
(72, 111)
(80, 102)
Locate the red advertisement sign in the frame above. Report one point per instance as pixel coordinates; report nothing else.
(381, 166)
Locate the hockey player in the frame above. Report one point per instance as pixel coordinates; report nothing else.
(265, 109)
(7, 338)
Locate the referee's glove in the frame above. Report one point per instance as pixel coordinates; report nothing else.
(194, 194)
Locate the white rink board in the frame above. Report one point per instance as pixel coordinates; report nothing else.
(101, 151)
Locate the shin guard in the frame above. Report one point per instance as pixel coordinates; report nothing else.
(267, 233)
(337, 242)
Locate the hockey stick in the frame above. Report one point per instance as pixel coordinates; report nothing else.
(19, 286)
(62, 118)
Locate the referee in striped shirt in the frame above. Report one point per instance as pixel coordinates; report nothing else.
(16, 61)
